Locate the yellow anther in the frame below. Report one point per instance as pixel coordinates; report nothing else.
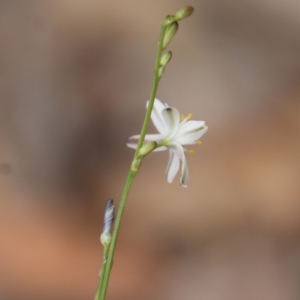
(206, 127)
(199, 142)
(189, 116)
(192, 152)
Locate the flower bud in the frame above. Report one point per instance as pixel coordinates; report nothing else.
(165, 58)
(109, 216)
(146, 149)
(183, 13)
(169, 34)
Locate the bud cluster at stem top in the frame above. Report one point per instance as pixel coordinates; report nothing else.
(171, 27)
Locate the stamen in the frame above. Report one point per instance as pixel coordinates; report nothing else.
(190, 116)
(182, 117)
(192, 152)
(199, 142)
(206, 127)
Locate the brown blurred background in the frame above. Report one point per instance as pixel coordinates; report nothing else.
(74, 79)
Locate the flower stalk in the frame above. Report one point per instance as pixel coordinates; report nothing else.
(169, 22)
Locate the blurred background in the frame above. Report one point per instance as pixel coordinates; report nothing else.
(74, 79)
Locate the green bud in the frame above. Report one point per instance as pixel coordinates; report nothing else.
(146, 149)
(169, 34)
(184, 13)
(105, 239)
(169, 20)
(165, 58)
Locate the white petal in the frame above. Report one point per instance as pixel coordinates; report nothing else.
(173, 166)
(131, 145)
(190, 132)
(153, 137)
(172, 120)
(133, 140)
(134, 137)
(162, 148)
(179, 151)
(184, 174)
(190, 126)
(156, 116)
(191, 138)
(148, 137)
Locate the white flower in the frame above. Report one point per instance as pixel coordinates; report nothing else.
(173, 134)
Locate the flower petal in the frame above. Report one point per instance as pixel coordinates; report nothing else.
(185, 175)
(172, 120)
(154, 137)
(133, 140)
(190, 126)
(179, 151)
(162, 148)
(134, 137)
(156, 116)
(131, 145)
(190, 131)
(173, 166)
(148, 137)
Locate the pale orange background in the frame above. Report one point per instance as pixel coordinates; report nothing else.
(74, 79)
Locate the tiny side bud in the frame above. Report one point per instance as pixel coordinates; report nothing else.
(183, 13)
(165, 58)
(170, 32)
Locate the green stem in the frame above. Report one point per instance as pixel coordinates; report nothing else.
(104, 261)
(156, 79)
(106, 269)
(107, 264)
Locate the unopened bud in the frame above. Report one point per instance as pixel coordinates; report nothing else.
(183, 13)
(165, 58)
(170, 32)
(109, 216)
(146, 149)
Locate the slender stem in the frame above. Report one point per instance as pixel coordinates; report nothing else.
(107, 265)
(104, 261)
(156, 79)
